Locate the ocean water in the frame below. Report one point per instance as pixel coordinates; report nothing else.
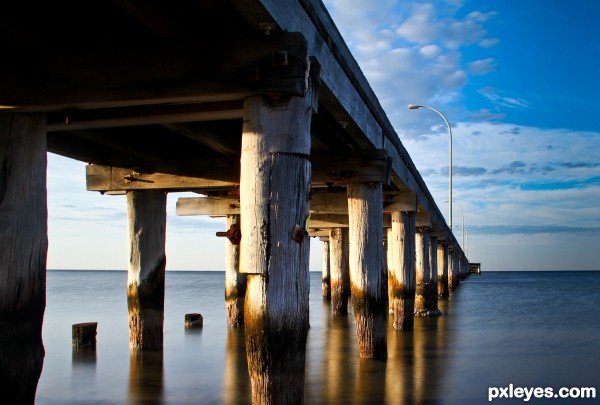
(529, 329)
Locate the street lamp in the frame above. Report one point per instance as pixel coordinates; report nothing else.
(415, 107)
(463, 225)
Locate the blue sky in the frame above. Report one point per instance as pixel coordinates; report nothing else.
(518, 81)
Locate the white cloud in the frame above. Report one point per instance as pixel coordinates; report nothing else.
(430, 51)
(482, 66)
(488, 42)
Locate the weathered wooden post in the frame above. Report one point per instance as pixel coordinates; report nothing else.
(426, 291)
(84, 334)
(339, 270)
(274, 206)
(401, 281)
(442, 255)
(147, 218)
(326, 271)
(23, 249)
(389, 262)
(235, 282)
(451, 269)
(367, 268)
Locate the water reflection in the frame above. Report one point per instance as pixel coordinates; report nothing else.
(236, 382)
(146, 377)
(83, 368)
(412, 373)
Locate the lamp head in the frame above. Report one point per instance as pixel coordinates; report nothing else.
(413, 106)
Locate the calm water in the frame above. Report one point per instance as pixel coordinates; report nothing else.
(525, 328)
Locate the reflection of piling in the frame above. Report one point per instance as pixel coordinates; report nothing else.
(84, 334)
(23, 247)
(339, 270)
(147, 218)
(236, 385)
(367, 268)
(146, 379)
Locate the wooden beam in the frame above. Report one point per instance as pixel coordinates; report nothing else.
(69, 120)
(423, 220)
(192, 175)
(320, 204)
(208, 137)
(355, 167)
(206, 206)
(166, 73)
(329, 203)
(400, 202)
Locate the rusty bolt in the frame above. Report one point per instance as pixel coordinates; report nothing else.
(234, 234)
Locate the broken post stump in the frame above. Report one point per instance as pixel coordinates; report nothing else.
(194, 320)
(84, 334)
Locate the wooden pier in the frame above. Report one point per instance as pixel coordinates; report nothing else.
(257, 106)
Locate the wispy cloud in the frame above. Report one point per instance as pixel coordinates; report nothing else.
(506, 101)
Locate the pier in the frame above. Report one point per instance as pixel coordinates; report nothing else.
(259, 108)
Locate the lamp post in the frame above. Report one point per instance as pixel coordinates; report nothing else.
(415, 107)
(463, 226)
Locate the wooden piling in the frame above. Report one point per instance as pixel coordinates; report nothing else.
(23, 249)
(84, 334)
(339, 270)
(426, 291)
(274, 194)
(368, 279)
(146, 216)
(194, 320)
(442, 255)
(235, 282)
(326, 272)
(401, 281)
(432, 295)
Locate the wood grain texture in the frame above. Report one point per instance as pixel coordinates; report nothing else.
(442, 254)
(146, 218)
(274, 193)
(235, 283)
(340, 270)
(401, 280)
(23, 250)
(326, 272)
(426, 289)
(367, 268)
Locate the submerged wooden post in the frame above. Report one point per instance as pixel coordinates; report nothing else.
(235, 282)
(426, 291)
(401, 281)
(367, 268)
(23, 249)
(274, 193)
(339, 270)
(84, 334)
(326, 272)
(147, 218)
(442, 255)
